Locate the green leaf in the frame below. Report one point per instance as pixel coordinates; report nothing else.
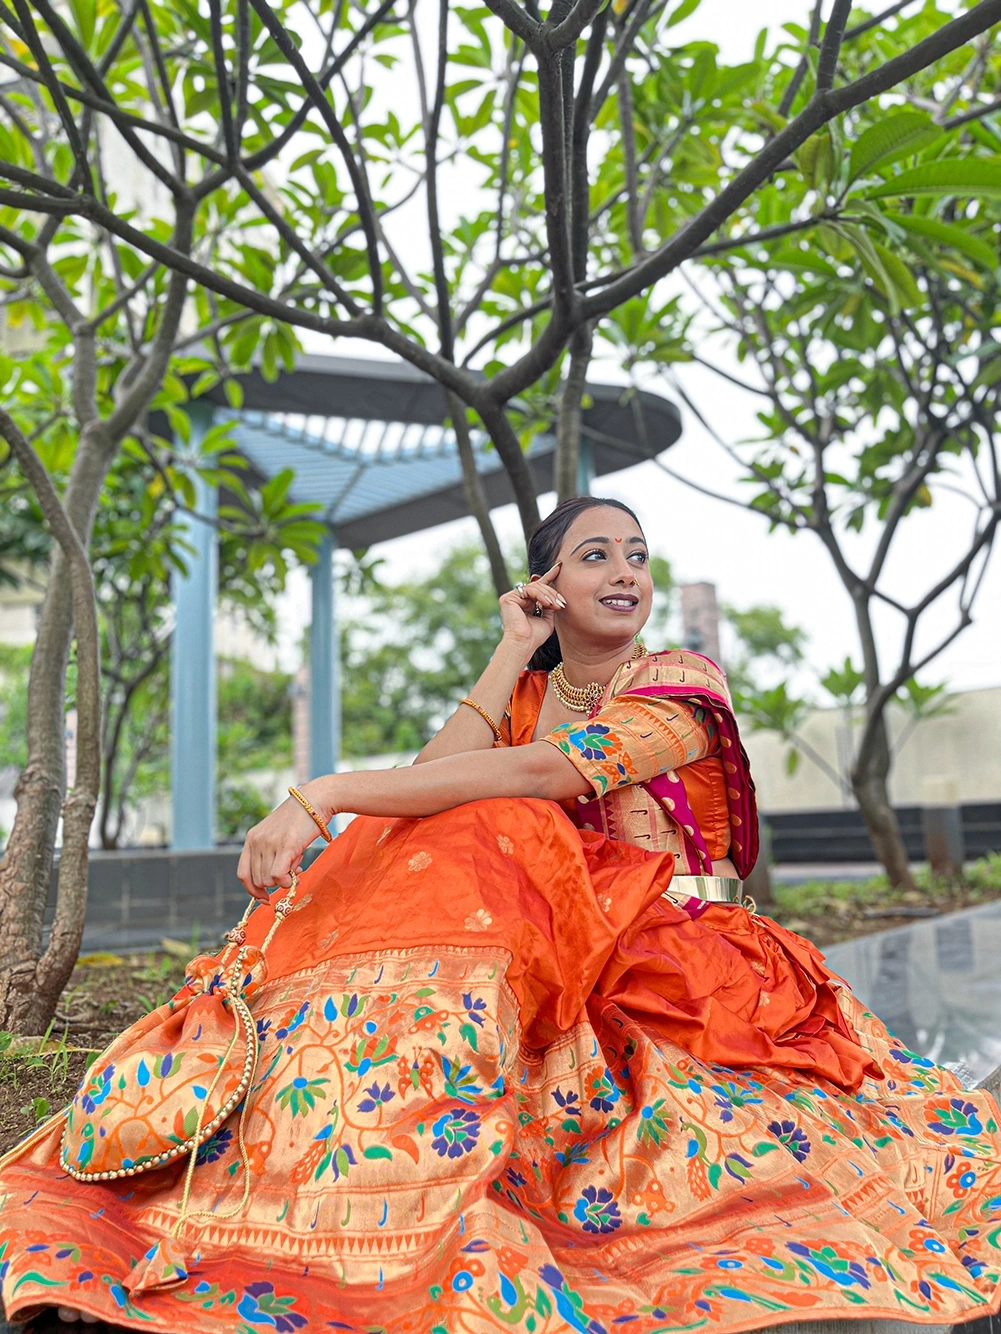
(907, 293)
(686, 8)
(950, 234)
(889, 139)
(949, 176)
(376, 1151)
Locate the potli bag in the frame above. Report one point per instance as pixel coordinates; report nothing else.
(164, 1087)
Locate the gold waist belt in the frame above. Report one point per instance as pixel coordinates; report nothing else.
(715, 888)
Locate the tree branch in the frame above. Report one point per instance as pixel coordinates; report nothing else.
(795, 83)
(831, 47)
(818, 112)
(566, 33)
(316, 95)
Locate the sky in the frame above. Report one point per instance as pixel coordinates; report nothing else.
(706, 539)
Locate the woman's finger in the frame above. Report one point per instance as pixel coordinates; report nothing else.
(261, 858)
(244, 874)
(551, 574)
(544, 594)
(281, 864)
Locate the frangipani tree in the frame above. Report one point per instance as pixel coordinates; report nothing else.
(860, 321)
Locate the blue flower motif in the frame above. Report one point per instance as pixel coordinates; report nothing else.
(576, 1153)
(515, 1179)
(376, 1097)
(214, 1148)
(826, 1261)
(597, 1211)
(456, 1133)
(568, 1101)
(591, 740)
(725, 1106)
(97, 1090)
(282, 1033)
(263, 1028)
(260, 1305)
(958, 1117)
(474, 1008)
(606, 1094)
(793, 1137)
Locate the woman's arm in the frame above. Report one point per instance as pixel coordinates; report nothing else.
(523, 634)
(276, 845)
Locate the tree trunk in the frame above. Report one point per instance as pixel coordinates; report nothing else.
(476, 497)
(566, 467)
(26, 867)
(869, 783)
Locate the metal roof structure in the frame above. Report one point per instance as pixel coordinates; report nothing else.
(367, 440)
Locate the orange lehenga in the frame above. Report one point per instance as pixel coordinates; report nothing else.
(505, 1084)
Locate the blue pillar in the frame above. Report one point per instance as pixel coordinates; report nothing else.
(324, 667)
(192, 667)
(585, 466)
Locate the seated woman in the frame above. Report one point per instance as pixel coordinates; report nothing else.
(525, 1060)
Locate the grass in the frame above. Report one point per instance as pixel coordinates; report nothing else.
(827, 911)
(107, 993)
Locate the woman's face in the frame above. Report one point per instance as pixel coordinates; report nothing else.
(604, 577)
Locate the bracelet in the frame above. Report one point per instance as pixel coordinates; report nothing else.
(484, 715)
(318, 819)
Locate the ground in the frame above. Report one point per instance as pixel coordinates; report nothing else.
(107, 992)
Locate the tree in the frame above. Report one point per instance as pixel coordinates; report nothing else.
(200, 110)
(863, 330)
(559, 234)
(139, 542)
(137, 491)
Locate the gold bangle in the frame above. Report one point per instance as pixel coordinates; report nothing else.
(319, 821)
(484, 715)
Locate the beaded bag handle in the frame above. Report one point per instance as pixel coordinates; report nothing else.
(231, 988)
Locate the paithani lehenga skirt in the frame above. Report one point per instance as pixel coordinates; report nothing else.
(505, 1085)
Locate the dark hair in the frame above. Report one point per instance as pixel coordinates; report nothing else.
(543, 550)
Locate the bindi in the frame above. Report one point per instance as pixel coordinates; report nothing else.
(618, 539)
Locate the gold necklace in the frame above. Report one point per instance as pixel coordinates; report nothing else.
(584, 699)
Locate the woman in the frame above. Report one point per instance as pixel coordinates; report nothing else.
(517, 1072)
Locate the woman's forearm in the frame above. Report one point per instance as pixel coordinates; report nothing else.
(466, 730)
(535, 770)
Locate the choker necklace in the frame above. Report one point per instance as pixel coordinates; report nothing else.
(584, 699)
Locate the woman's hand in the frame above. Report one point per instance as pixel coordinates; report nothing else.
(524, 628)
(273, 849)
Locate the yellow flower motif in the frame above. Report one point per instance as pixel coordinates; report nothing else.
(505, 845)
(605, 903)
(480, 920)
(385, 833)
(420, 861)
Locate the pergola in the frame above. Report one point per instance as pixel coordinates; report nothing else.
(367, 441)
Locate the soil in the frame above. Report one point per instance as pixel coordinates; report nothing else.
(829, 919)
(106, 993)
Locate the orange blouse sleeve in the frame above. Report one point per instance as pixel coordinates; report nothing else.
(633, 739)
